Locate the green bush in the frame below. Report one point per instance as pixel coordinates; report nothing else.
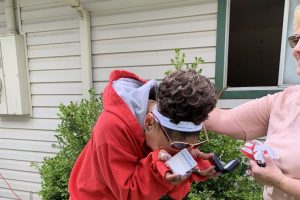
(73, 132)
(229, 186)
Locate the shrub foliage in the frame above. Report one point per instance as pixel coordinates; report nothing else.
(73, 132)
(236, 185)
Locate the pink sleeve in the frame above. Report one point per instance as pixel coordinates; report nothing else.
(247, 121)
(252, 118)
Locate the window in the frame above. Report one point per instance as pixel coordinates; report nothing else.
(253, 56)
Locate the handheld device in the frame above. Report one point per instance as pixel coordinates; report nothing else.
(222, 167)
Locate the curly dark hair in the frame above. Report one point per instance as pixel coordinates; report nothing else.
(185, 95)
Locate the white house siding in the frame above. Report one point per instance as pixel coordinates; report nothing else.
(2, 18)
(135, 35)
(54, 72)
(142, 38)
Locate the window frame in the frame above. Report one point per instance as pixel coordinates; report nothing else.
(222, 54)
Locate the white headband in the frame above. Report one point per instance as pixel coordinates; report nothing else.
(181, 126)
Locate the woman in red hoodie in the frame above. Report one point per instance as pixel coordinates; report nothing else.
(141, 124)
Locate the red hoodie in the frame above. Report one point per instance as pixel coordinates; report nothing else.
(115, 163)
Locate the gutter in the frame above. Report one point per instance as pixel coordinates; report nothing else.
(85, 46)
(10, 17)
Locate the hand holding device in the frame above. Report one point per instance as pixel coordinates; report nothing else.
(255, 149)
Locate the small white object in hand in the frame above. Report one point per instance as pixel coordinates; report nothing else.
(182, 162)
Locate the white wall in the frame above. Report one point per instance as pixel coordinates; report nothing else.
(142, 39)
(135, 35)
(2, 18)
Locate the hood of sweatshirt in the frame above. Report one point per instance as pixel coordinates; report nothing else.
(133, 91)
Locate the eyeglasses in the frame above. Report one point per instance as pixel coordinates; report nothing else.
(293, 40)
(181, 145)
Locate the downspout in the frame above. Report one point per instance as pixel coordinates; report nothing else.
(85, 46)
(10, 17)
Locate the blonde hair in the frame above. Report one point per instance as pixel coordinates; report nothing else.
(296, 18)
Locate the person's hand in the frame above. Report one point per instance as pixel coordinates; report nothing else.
(196, 153)
(174, 179)
(268, 175)
(163, 155)
(209, 172)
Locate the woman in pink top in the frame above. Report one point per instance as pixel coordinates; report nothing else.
(277, 117)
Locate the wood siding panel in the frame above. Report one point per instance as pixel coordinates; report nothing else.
(143, 42)
(2, 28)
(2, 19)
(23, 155)
(21, 185)
(21, 176)
(27, 3)
(27, 145)
(23, 123)
(23, 134)
(2, 12)
(54, 76)
(152, 58)
(53, 37)
(60, 63)
(50, 24)
(169, 12)
(56, 88)
(44, 10)
(148, 72)
(45, 112)
(6, 194)
(155, 43)
(159, 27)
(100, 86)
(54, 100)
(54, 50)
(17, 165)
(127, 6)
